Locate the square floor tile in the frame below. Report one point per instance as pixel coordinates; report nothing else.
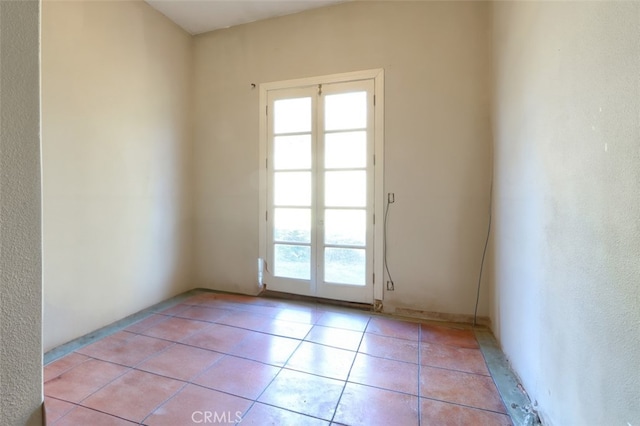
(390, 347)
(304, 393)
(200, 299)
(321, 360)
(295, 330)
(385, 373)
(175, 329)
(54, 409)
(355, 322)
(444, 335)
(274, 350)
(180, 362)
(336, 337)
(266, 324)
(238, 298)
(461, 388)
(244, 319)
(394, 328)
(213, 302)
(268, 311)
(146, 323)
(76, 384)
(299, 314)
(203, 313)
(67, 362)
(84, 416)
(175, 309)
(134, 395)
(198, 405)
(368, 406)
(261, 415)
(441, 413)
(453, 357)
(217, 337)
(238, 376)
(124, 348)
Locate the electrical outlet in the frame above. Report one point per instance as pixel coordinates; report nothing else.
(391, 197)
(390, 286)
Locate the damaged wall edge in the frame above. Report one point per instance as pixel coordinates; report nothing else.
(515, 399)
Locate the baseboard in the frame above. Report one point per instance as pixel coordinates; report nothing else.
(441, 316)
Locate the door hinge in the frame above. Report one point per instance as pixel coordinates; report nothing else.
(374, 160)
(374, 219)
(374, 278)
(266, 110)
(266, 215)
(319, 89)
(374, 100)
(266, 163)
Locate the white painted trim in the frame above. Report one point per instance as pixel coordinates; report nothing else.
(378, 205)
(326, 79)
(262, 181)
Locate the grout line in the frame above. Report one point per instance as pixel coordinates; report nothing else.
(99, 411)
(128, 370)
(64, 413)
(290, 411)
(261, 393)
(165, 401)
(346, 380)
(465, 405)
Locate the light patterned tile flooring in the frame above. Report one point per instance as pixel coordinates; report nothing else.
(231, 359)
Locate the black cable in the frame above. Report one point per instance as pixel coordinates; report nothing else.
(484, 252)
(384, 240)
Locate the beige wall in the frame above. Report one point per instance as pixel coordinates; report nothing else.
(116, 163)
(436, 58)
(20, 216)
(567, 206)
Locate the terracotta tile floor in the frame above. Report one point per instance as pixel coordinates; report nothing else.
(217, 358)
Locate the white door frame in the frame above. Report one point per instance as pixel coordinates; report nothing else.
(377, 75)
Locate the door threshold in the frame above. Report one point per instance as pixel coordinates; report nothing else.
(290, 296)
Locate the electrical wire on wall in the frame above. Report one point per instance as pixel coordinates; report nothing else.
(484, 252)
(390, 200)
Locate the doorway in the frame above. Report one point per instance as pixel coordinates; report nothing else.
(319, 188)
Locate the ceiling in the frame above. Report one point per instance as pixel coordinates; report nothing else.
(197, 17)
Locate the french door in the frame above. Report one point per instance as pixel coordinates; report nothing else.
(320, 180)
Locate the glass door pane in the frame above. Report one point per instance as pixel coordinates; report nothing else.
(292, 188)
(345, 188)
(345, 111)
(292, 152)
(292, 261)
(345, 150)
(345, 227)
(292, 115)
(344, 266)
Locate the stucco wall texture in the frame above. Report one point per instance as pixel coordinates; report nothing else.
(567, 206)
(116, 155)
(20, 217)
